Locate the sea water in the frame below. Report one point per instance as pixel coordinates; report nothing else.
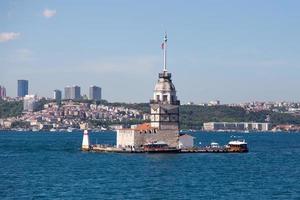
(47, 165)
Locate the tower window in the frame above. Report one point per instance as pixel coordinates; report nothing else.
(157, 97)
(165, 97)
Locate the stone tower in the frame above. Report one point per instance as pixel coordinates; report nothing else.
(164, 126)
(164, 105)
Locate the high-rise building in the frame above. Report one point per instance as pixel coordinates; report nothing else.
(75, 92)
(30, 103)
(94, 93)
(72, 92)
(57, 96)
(68, 92)
(2, 92)
(22, 88)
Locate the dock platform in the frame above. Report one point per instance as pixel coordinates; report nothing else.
(113, 149)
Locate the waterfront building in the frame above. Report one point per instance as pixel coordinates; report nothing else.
(22, 88)
(164, 125)
(57, 96)
(94, 93)
(235, 126)
(30, 103)
(72, 92)
(2, 92)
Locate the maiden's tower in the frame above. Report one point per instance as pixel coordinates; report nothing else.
(164, 126)
(162, 133)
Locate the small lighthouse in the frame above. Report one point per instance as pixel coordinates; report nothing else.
(85, 141)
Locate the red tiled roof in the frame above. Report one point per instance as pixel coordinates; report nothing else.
(143, 127)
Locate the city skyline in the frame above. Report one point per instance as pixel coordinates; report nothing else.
(233, 51)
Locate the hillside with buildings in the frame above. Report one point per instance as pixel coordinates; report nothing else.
(39, 113)
(193, 116)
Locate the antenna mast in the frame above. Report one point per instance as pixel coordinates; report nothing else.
(165, 52)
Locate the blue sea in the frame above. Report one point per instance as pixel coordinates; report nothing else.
(51, 166)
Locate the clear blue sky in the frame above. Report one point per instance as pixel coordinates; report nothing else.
(234, 51)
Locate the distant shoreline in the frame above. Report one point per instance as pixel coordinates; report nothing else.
(181, 131)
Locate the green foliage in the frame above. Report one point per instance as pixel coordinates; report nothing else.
(10, 109)
(99, 123)
(20, 124)
(15, 108)
(193, 116)
(284, 118)
(41, 103)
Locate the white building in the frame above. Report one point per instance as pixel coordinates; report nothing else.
(30, 103)
(186, 141)
(214, 103)
(237, 126)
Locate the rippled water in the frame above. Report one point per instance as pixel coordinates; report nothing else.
(51, 166)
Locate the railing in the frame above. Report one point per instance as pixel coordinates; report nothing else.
(152, 101)
(165, 75)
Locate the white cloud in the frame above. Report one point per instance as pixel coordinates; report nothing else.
(4, 37)
(49, 13)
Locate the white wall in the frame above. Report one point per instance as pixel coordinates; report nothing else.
(125, 137)
(186, 141)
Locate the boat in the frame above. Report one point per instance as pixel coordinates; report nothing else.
(103, 129)
(214, 145)
(159, 147)
(35, 129)
(70, 129)
(238, 145)
(52, 130)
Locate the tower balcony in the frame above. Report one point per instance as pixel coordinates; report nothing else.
(177, 102)
(165, 75)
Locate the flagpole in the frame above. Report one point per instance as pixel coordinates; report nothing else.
(165, 53)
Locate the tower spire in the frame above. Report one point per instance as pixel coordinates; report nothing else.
(165, 52)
